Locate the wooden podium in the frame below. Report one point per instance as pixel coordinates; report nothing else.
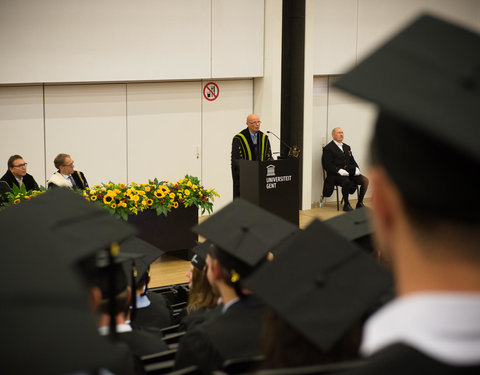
(272, 185)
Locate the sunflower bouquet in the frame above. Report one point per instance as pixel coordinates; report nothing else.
(20, 194)
(124, 200)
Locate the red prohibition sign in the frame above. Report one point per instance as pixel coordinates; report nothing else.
(211, 91)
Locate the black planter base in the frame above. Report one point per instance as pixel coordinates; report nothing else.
(169, 233)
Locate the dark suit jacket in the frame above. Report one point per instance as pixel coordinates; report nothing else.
(334, 159)
(28, 180)
(198, 317)
(158, 314)
(4, 189)
(401, 359)
(234, 334)
(142, 342)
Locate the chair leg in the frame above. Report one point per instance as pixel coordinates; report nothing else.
(338, 204)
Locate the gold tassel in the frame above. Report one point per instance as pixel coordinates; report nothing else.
(114, 249)
(234, 276)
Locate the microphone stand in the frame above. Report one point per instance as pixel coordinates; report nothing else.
(293, 151)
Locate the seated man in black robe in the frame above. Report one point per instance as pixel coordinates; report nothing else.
(17, 174)
(342, 170)
(66, 175)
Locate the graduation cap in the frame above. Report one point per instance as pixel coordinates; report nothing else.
(44, 313)
(148, 252)
(120, 265)
(201, 251)
(245, 231)
(322, 286)
(426, 82)
(81, 226)
(354, 226)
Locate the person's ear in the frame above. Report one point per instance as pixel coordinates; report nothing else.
(94, 297)
(217, 271)
(387, 212)
(129, 298)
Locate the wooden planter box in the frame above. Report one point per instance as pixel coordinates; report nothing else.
(169, 233)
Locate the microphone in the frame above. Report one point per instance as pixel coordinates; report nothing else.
(293, 151)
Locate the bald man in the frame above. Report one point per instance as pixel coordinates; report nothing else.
(343, 170)
(249, 144)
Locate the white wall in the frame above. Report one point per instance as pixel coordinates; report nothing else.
(348, 30)
(65, 41)
(21, 128)
(164, 130)
(89, 123)
(237, 38)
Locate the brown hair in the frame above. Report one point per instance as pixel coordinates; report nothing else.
(11, 159)
(59, 160)
(121, 303)
(201, 295)
(283, 346)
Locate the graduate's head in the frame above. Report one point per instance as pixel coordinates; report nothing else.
(426, 144)
(241, 236)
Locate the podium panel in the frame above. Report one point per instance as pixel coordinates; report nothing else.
(272, 185)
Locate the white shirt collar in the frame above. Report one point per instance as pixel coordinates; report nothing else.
(229, 304)
(253, 136)
(142, 301)
(339, 144)
(105, 330)
(445, 326)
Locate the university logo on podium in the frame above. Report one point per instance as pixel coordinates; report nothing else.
(270, 170)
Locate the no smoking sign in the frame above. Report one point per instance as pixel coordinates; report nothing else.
(211, 91)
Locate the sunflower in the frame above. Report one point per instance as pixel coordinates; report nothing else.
(149, 202)
(93, 198)
(164, 189)
(107, 199)
(113, 205)
(175, 204)
(16, 201)
(147, 189)
(172, 195)
(186, 192)
(159, 194)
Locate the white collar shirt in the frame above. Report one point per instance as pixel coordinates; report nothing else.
(339, 145)
(444, 326)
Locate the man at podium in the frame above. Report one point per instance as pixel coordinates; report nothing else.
(249, 144)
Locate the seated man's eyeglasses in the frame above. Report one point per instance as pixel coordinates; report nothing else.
(20, 165)
(254, 122)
